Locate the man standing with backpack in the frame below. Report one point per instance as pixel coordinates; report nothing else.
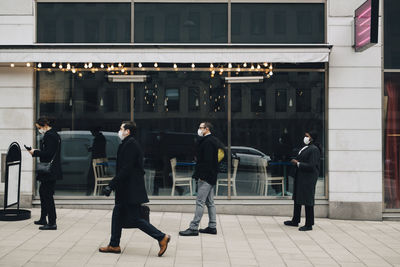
(205, 172)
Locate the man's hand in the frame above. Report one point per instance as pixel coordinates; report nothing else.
(294, 161)
(107, 190)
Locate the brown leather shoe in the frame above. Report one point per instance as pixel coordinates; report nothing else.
(163, 245)
(110, 249)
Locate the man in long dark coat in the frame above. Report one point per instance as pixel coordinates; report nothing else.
(130, 192)
(307, 170)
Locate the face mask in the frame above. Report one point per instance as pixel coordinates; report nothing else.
(41, 131)
(306, 140)
(121, 135)
(200, 132)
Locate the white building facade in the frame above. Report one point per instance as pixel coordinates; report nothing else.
(316, 81)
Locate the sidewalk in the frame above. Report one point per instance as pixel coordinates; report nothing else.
(241, 241)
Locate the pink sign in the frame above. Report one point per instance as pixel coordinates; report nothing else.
(366, 25)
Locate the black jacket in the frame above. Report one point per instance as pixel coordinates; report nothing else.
(128, 182)
(207, 160)
(306, 176)
(98, 147)
(48, 147)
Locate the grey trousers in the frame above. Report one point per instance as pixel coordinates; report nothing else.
(205, 195)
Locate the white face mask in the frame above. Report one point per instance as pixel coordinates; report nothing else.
(41, 131)
(306, 140)
(200, 132)
(121, 135)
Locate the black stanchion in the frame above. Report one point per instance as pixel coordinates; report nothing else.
(12, 178)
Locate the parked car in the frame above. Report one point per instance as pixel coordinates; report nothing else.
(249, 158)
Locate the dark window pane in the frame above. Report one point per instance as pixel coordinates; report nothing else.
(258, 100)
(194, 98)
(278, 23)
(83, 22)
(171, 101)
(392, 34)
(303, 100)
(236, 98)
(181, 23)
(280, 100)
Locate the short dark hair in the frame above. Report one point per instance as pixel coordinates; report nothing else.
(208, 125)
(42, 121)
(129, 125)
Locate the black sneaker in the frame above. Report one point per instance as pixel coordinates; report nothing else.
(48, 227)
(290, 223)
(40, 222)
(305, 228)
(208, 230)
(189, 232)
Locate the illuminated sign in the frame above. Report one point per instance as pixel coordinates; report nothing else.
(366, 25)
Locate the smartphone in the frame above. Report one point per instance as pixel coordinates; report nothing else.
(27, 147)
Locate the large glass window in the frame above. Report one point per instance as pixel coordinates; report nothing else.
(268, 124)
(181, 23)
(83, 22)
(392, 140)
(269, 132)
(392, 34)
(278, 23)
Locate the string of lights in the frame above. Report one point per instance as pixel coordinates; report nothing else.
(122, 68)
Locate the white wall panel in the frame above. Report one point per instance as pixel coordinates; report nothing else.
(16, 34)
(354, 98)
(16, 7)
(354, 77)
(355, 140)
(348, 161)
(355, 182)
(355, 197)
(355, 119)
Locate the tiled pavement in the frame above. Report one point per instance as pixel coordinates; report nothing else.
(241, 241)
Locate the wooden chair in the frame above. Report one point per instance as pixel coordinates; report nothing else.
(100, 175)
(224, 181)
(179, 181)
(266, 181)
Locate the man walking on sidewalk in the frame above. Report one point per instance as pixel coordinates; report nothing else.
(130, 192)
(206, 171)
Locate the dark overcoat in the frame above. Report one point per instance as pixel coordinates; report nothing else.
(50, 146)
(128, 182)
(306, 176)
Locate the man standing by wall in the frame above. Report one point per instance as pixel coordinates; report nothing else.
(130, 192)
(206, 171)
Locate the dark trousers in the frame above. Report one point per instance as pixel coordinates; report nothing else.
(309, 214)
(130, 213)
(47, 207)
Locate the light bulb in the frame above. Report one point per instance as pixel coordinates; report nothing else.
(244, 65)
(39, 65)
(258, 66)
(270, 66)
(265, 64)
(112, 67)
(102, 66)
(68, 66)
(252, 67)
(230, 65)
(101, 102)
(90, 65)
(175, 66)
(80, 74)
(122, 70)
(119, 65)
(28, 64)
(271, 73)
(140, 65)
(12, 65)
(211, 65)
(290, 102)
(193, 65)
(60, 66)
(73, 70)
(260, 102)
(85, 66)
(213, 72)
(155, 65)
(238, 69)
(53, 65)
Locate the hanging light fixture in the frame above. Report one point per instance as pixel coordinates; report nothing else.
(211, 65)
(193, 66)
(28, 64)
(53, 65)
(139, 65)
(175, 66)
(39, 65)
(230, 65)
(102, 65)
(12, 65)
(245, 65)
(155, 65)
(90, 65)
(60, 66)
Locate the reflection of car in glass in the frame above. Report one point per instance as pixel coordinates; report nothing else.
(249, 157)
(75, 157)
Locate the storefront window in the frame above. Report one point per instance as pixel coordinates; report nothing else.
(392, 34)
(278, 23)
(83, 22)
(168, 109)
(392, 140)
(181, 23)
